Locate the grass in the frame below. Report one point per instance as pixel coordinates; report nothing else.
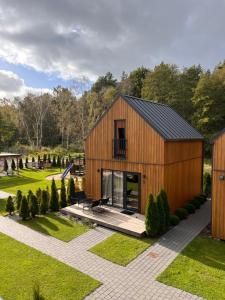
(28, 179)
(2, 207)
(22, 267)
(121, 249)
(199, 269)
(56, 226)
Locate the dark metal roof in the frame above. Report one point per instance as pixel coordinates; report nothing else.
(169, 124)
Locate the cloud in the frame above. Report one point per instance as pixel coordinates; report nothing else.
(11, 85)
(75, 38)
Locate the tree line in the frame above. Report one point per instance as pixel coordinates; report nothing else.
(62, 119)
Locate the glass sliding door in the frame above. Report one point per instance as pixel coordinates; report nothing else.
(118, 183)
(132, 187)
(107, 185)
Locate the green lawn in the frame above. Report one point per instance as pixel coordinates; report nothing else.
(2, 207)
(22, 267)
(56, 226)
(121, 249)
(28, 179)
(199, 269)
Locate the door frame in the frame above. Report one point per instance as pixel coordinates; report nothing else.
(124, 189)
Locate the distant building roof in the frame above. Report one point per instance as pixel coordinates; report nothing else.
(169, 124)
(8, 155)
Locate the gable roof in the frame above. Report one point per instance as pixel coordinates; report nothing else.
(162, 118)
(168, 123)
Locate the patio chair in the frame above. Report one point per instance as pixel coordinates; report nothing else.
(91, 205)
(79, 198)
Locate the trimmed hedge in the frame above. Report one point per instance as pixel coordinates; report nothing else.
(196, 202)
(174, 220)
(190, 208)
(182, 213)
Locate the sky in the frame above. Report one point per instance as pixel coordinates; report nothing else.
(47, 43)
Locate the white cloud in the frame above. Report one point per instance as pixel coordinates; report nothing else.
(76, 38)
(11, 85)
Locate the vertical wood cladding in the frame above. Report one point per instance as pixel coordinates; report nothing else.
(218, 188)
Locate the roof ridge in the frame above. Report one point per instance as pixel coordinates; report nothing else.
(145, 100)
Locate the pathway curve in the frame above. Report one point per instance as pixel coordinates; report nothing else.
(137, 280)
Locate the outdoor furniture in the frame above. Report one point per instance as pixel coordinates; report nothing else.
(91, 204)
(104, 201)
(79, 198)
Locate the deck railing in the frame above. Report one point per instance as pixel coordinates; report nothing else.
(119, 148)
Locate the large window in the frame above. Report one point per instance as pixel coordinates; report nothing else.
(122, 188)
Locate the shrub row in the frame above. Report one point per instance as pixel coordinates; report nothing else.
(42, 200)
(190, 208)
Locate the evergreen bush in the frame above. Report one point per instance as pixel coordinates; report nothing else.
(196, 202)
(54, 164)
(10, 205)
(13, 165)
(49, 159)
(33, 205)
(63, 202)
(6, 167)
(190, 208)
(24, 208)
(63, 163)
(207, 182)
(21, 163)
(18, 199)
(161, 214)
(151, 217)
(166, 208)
(58, 162)
(174, 220)
(70, 190)
(38, 195)
(44, 158)
(182, 213)
(33, 159)
(26, 162)
(54, 199)
(44, 202)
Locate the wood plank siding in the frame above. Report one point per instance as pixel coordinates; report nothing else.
(218, 188)
(175, 166)
(183, 171)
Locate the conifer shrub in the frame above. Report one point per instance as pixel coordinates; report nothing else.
(166, 208)
(151, 217)
(203, 198)
(33, 205)
(71, 190)
(63, 163)
(44, 202)
(21, 163)
(207, 183)
(161, 214)
(26, 162)
(44, 158)
(54, 164)
(190, 208)
(196, 202)
(54, 199)
(33, 159)
(24, 208)
(10, 205)
(13, 165)
(6, 167)
(49, 159)
(38, 195)
(58, 161)
(174, 220)
(182, 213)
(18, 199)
(63, 202)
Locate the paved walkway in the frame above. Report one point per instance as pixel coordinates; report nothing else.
(4, 195)
(137, 280)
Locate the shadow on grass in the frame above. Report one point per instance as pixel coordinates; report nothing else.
(60, 220)
(9, 182)
(207, 251)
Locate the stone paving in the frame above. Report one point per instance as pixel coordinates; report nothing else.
(137, 280)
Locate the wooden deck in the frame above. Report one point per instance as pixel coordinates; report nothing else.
(110, 218)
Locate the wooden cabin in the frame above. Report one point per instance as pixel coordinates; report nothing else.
(218, 186)
(138, 147)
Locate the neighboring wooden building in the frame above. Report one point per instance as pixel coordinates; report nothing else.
(218, 186)
(138, 147)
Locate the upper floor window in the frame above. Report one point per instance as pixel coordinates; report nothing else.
(119, 141)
